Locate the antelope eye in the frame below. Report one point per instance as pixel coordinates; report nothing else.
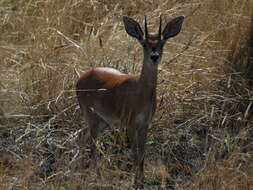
(144, 44)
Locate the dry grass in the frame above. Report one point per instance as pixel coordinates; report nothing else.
(202, 133)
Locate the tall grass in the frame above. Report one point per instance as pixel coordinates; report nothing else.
(201, 137)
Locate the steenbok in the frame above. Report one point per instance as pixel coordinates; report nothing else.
(108, 97)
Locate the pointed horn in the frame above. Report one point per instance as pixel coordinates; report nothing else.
(160, 27)
(146, 28)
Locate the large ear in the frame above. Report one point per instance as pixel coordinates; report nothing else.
(173, 27)
(133, 28)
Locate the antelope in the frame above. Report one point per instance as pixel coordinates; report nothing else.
(108, 97)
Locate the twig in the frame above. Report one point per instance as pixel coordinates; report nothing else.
(192, 38)
(66, 38)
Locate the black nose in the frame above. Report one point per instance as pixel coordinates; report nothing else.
(154, 58)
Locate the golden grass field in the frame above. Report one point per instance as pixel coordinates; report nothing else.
(202, 134)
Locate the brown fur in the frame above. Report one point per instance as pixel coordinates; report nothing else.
(108, 97)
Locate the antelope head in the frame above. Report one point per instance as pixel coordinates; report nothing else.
(153, 43)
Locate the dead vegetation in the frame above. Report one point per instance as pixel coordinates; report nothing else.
(202, 134)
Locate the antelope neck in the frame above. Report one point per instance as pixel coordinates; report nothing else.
(148, 77)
